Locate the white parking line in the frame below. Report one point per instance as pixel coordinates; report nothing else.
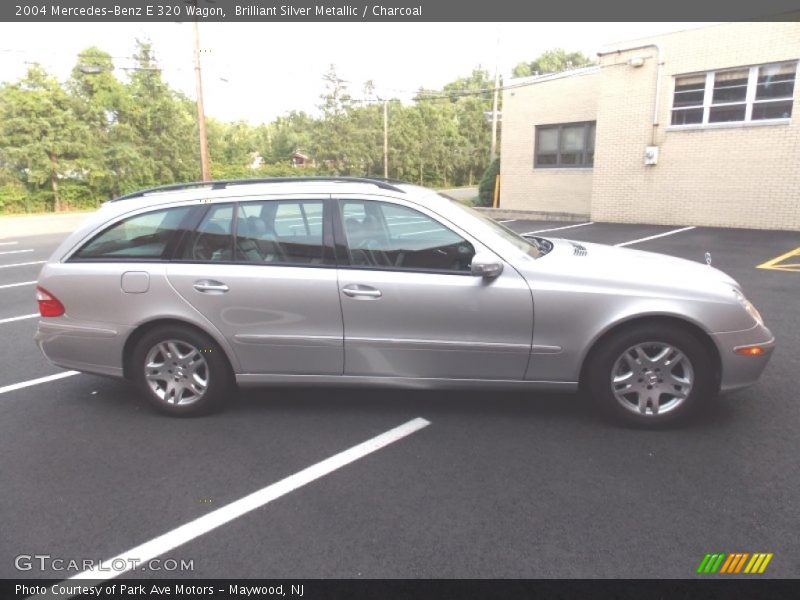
(653, 237)
(507, 221)
(8, 243)
(32, 382)
(216, 518)
(22, 318)
(560, 228)
(16, 251)
(10, 285)
(25, 264)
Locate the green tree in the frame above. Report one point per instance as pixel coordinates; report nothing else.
(41, 136)
(487, 184)
(552, 61)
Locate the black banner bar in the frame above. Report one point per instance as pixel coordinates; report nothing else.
(393, 10)
(718, 588)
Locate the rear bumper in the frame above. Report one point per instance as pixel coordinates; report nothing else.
(740, 371)
(87, 348)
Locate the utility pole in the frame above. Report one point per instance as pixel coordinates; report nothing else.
(386, 139)
(493, 150)
(205, 162)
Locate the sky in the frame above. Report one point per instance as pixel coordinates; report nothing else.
(258, 71)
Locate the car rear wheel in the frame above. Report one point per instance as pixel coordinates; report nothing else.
(651, 375)
(180, 371)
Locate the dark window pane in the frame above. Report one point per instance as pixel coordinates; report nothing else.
(687, 117)
(212, 240)
(781, 89)
(776, 81)
(283, 232)
(142, 236)
(689, 98)
(689, 90)
(725, 114)
(546, 159)
(571, 158)
(730, 86)
(772, 110)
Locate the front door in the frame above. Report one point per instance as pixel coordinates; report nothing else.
(411, 306)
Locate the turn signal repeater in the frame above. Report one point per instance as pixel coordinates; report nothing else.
(49, 305)
(750, 350)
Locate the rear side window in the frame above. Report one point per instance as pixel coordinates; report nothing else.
(211, 240)
(144, 236)
(282, 232)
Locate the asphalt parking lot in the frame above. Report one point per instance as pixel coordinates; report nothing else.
(501, 485)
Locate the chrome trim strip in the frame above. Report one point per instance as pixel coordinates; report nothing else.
(466, 345)
(289, 340)
(56, 328)
(542, 349)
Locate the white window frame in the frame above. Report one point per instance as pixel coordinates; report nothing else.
(749, 101)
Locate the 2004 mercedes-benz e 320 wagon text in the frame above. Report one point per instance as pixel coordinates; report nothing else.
(187, 290)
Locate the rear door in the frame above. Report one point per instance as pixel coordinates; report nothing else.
(263, 272)
(411, 306)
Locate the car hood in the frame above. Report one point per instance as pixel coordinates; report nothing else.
(623, 267)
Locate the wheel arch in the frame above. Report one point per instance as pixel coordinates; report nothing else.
(143, 328)
(654, 319)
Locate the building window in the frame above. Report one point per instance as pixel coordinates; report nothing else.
(742, 95)
(567, 145)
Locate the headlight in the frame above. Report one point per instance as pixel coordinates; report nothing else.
(748, 306)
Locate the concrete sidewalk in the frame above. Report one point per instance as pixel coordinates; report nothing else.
(14, 226)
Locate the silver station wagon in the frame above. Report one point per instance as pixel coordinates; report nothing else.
(189, 290)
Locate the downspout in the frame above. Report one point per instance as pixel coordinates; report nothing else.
(659, 64)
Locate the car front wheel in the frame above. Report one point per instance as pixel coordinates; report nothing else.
(651, 375)
(180, 371)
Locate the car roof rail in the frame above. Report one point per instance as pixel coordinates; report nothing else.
(222, 184)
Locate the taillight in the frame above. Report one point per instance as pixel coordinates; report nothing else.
(49, 305)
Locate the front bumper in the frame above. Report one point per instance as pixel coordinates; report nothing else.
(740, 371)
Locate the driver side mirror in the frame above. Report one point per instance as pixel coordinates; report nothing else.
(486, 266)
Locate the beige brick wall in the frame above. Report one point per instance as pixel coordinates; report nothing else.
(564, 100)
(736, 176)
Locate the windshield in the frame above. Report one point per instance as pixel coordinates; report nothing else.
(529, 247)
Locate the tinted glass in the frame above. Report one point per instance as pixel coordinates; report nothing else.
(395, 237)
(143, 236)
(211, 240)
(284, 232)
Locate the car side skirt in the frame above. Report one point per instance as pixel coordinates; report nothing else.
(252, 380)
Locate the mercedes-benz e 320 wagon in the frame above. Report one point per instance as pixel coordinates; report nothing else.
(188, 290)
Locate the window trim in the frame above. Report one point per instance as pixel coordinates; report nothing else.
(749, 101)
(559, 126)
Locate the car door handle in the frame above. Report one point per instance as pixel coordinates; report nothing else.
(361, 291)
(210, 286)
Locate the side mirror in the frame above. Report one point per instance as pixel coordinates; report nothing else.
(486, 266)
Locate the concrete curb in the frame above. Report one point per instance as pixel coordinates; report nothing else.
(532, 215)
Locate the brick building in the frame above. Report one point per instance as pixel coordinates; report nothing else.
(696, 127)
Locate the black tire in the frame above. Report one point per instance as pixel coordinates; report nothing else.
(617, 355)
(216, 371)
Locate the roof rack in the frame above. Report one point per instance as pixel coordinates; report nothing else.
(224, 183)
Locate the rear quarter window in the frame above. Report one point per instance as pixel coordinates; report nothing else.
(144, 236)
